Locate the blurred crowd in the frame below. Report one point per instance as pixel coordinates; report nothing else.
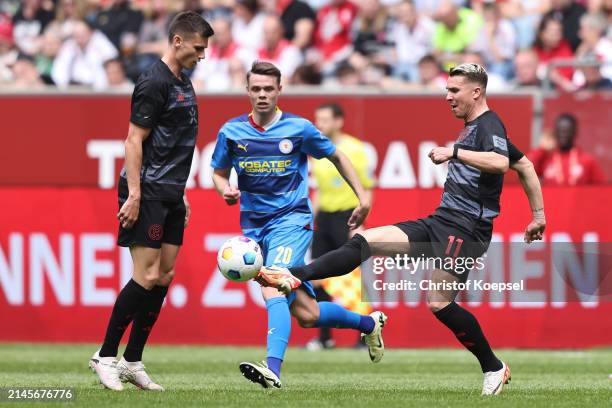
(391, 44)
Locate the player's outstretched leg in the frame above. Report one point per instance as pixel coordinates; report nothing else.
(335, 263)
(267, 373)
(333, 315)
(387, 240)
(328, 314)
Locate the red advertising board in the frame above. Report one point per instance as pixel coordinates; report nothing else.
(60, 272)
(77, 140)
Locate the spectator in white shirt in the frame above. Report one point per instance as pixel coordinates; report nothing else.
(497, 42)
(413, 35)
(247, 25)
(594, 42)
(81, 59)
(277, 50)
(226, 62)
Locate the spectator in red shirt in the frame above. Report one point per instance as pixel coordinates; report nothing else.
(561, 163)
(551, 47)
(333, 34)
(278, 50)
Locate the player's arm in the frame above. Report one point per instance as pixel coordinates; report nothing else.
(222, 185)
(349, 174)
(487, 162)
(531, 185)
(222, 168)
(128, 214)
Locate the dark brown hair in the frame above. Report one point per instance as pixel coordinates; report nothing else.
(264, 68)
(188, 23)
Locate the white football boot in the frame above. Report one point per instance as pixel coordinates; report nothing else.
(374, 340)
(135, 373)
(494, 380)
(260, 373)
(106, 369)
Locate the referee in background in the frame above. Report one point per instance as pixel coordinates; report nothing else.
(334, 201)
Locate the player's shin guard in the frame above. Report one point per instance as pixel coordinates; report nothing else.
(143, 323)
(128, 303)
(335, 263)
(279, 329)
(467, 330)
(334, 315)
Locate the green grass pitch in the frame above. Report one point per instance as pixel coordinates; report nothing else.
(209, 377)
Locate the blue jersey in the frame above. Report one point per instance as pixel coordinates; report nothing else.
(272, 168)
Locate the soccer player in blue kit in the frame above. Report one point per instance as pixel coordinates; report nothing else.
(268, 149)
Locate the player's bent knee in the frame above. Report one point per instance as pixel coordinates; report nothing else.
(166, 278)
(307, 320)
(147, 278)
(435, 306)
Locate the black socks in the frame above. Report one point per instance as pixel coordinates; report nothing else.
(467, 330)
(143, 323)
(128, 303)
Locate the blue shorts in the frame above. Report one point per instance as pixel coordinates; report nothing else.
(286, 246)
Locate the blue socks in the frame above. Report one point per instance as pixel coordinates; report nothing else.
(334, 315)
(274, 364)
(279, 328)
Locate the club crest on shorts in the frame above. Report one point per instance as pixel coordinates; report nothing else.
(285, 146)
(155, 232)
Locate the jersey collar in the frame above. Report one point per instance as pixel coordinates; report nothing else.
(273, 122)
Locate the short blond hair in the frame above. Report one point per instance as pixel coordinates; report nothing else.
(473, 72)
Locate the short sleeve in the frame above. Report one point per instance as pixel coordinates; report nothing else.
(148, 101)
(360, 161)
(514, 154)
(315, 143)
(493, 137)
(221, 157)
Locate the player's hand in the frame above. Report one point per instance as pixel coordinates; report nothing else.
(231, 195)
(358, 216)
(187, 210)
(128, 214)
(440, 154)
(535, 230)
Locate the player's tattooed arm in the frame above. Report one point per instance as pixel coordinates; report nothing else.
(533, 190)
(128, 214)
(230, 194)
(349, 174)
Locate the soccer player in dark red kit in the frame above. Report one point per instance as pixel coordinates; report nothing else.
(461, 227)
(153, 209)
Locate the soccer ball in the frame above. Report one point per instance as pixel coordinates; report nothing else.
(239, 259)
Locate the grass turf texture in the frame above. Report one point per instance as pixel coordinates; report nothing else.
(209, 376)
